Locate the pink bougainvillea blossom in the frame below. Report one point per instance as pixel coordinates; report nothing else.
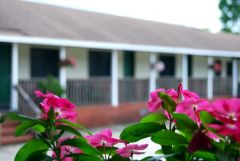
(103, 138)
(155, 102)
(131, 149)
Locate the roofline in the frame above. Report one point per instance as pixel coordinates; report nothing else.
(116, 46)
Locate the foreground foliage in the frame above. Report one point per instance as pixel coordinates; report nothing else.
(185, 126)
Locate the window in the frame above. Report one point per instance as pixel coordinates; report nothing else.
(190, 65)
(169, 62)
(44, 62)
(99, 63)
(229, 68)
(129, 63)
(5, 75)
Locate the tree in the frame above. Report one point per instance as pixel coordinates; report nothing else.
(230, 17)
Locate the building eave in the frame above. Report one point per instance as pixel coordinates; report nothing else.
(116, 46)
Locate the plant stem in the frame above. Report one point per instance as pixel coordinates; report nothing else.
(53, 144)
(109, 155)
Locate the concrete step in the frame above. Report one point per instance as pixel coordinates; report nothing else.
(8, 130)
(7, 134)
(11, 139)
(10, 123)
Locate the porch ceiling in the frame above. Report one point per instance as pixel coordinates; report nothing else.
(25, 22)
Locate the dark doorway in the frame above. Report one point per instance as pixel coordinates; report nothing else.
(44, 62)
(229, 68)
(5, 76)
(99, 63)
(129, 63)
(169, 62)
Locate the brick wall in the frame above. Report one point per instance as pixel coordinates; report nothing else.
(101, 115)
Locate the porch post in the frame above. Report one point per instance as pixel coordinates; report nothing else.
(235, 78)
(210, 78)
(14, 76)
(185, 71)
(62, 70)
(153, 73)
(114, 77)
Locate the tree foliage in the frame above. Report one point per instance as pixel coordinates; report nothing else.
(230, 16)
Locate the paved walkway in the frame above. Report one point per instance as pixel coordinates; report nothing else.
(8, 152)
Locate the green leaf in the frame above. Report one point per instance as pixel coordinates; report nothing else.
(82, 144)
(17, 117)
(119, 158)
(107, 150)
(24, 127)
(139, 131)
(206, 118)
(184, 123)
(168, 103)
(69, 129)
(149, 159)
(205, 155)
(154, 117)
(83, 157)
(75, 125)
(29, 149)
(168, 138)
(39, 156)
(39, 128)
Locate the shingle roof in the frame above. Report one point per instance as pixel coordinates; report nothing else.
(40, 20)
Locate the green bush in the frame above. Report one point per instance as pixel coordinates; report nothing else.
(52, 85)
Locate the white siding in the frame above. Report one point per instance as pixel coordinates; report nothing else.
(81, 69)
(120, 64)
(24, 62)
(142, 66)
(200, 67)
(178, 66)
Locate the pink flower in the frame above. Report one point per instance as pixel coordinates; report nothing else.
(226, 109)
(103, 138)
(199, 141)
(62, 108)
(39, 94)
(189, 95)
(155, 101)
(228, 129)
(131, 149)
(66, 150)
(192, 107)
(180, 88)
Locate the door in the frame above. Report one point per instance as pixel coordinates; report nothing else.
(99, 63)
(44, 62)
(169, 62)
(5, 75)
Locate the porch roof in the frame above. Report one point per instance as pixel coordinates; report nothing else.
(26, 22)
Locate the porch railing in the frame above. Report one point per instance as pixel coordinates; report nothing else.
(98, 90)
(133, 90)
(222, 86)
(89, 91)
(26, 105)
